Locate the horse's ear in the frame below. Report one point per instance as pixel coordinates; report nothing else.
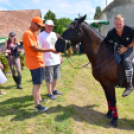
(82, 18)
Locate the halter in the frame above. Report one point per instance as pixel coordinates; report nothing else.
(68, 42)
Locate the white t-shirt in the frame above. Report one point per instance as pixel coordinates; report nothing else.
(48, 40)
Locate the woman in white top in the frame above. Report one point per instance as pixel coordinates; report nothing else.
(3, 78)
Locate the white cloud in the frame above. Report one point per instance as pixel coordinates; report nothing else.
(69, 9)
(61, 8)
(6, 2)
(36, 1)
(2, 8)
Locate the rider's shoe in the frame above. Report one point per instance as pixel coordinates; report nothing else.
(128, 90)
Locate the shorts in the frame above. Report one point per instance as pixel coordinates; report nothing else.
(37, 75)
(52, 73)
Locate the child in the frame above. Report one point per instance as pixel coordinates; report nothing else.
(3, 79)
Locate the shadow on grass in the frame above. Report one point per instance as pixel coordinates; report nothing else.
(19, 108)
(29, 80)
(8, 87)
(89, 115)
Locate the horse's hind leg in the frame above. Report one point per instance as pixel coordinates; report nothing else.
(111, 100)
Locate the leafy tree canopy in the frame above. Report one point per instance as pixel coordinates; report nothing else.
(98, 10)
(60, 24)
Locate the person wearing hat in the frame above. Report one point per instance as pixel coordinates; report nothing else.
(34, 59)
(47, 39)
(12, 49)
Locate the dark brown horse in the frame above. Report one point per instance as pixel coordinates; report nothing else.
(100, 54)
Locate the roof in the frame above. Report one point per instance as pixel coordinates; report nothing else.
(17, 21)
(112, 3)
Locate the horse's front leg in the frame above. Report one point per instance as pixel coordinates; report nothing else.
(111, 100)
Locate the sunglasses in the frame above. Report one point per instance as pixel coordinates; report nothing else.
(38, 25)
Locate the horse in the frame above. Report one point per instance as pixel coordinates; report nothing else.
(101, 56)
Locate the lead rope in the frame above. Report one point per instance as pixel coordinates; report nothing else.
(84, 66)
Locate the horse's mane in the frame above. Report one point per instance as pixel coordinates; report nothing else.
(95, 31)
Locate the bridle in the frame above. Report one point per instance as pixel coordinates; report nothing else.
(68, 42)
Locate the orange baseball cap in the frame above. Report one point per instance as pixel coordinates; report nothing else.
(38, 20)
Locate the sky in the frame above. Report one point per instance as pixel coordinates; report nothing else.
(61, 8)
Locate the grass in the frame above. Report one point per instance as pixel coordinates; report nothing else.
(80, 111)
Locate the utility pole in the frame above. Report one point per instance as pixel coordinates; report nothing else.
(106, 5)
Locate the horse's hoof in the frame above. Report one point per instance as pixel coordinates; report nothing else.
(109, 115)
(114, 123)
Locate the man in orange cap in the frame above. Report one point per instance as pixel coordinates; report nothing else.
(34, 59)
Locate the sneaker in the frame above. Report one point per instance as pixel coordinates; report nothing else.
(39, 107)
(52, 97)
(56, 92)
(43, 100)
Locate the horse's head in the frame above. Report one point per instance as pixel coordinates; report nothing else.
(71, 36)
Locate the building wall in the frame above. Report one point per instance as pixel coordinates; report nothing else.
(104, 28)
(17, 21)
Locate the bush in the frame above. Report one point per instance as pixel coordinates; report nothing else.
(22, 60)
(4, 61)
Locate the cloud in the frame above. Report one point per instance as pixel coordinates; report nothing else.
(61, 8)
(69, 9)
(6, 2)
(36, 1)
(2, 8)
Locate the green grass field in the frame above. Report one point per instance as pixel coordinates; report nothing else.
(80, 111)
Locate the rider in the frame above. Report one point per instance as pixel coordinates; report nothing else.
(124, 36)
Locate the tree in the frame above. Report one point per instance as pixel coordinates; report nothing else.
(63, 23)
(59, 24)
(50, 16)
(98, 10)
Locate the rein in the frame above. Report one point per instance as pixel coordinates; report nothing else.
(104, 62)
(68, 42)
(68, 57)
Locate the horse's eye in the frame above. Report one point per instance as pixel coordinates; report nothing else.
(74, 24)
